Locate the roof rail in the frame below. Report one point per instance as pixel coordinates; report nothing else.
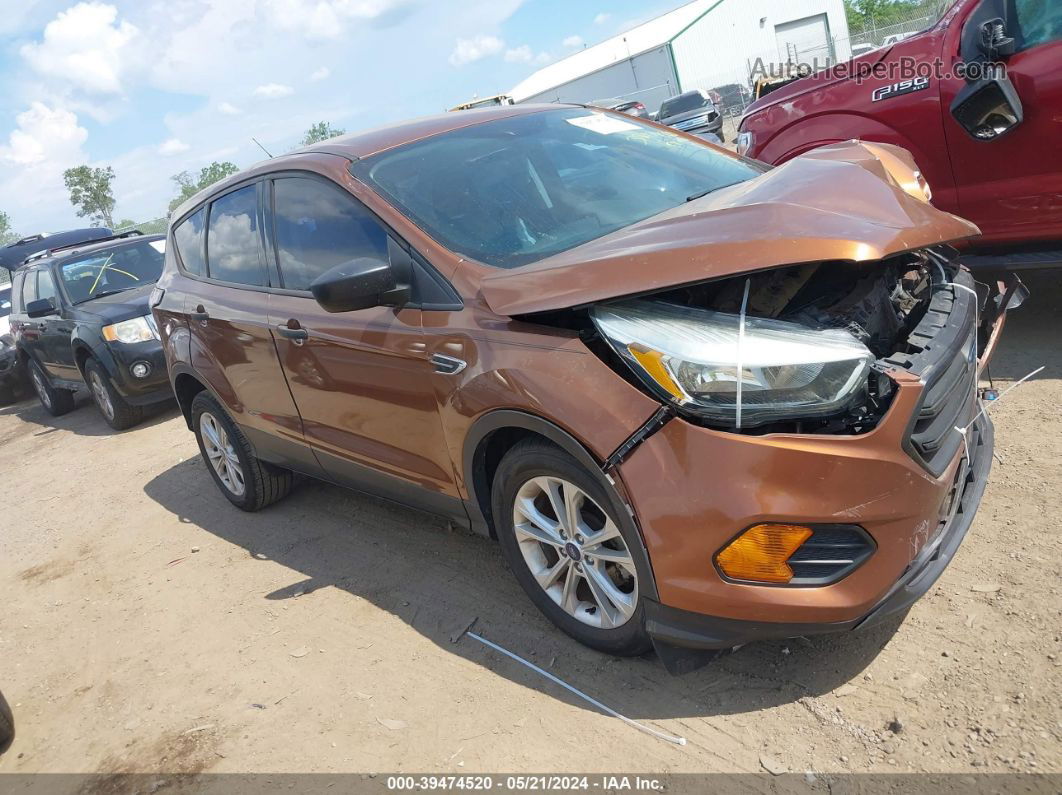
(49, 251)
(30, 239)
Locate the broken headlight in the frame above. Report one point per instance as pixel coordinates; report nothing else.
(709, 365)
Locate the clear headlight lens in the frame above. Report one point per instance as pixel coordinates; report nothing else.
(139, 329)
(695, 359)
(744, 143)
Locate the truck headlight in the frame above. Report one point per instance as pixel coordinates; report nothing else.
(139, 329)
(744, 143)
(695, 358)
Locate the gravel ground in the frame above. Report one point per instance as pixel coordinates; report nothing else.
(150, 626)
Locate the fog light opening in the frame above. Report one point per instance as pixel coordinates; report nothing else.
(760, 553)
(140, 369)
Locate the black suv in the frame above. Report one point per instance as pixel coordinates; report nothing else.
(80, 315)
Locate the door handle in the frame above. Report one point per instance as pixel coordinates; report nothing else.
(293, 331)
(199, 314)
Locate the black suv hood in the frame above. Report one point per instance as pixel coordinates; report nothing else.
(120, 306)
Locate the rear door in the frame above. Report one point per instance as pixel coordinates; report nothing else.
(362, 380)
(230, 344)
(1012, 186)
(57, 355)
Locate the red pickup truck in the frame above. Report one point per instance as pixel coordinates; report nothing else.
(987, 139)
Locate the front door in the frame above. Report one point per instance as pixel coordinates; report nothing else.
(1011, 186)
(56, 351)
(361, 380)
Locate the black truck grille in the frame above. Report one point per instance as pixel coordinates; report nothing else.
(945, 342)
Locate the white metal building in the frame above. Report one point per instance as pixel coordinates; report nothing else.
(703, 44)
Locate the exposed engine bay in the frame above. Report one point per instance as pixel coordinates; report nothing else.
(828, 325)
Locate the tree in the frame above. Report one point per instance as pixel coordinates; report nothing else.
(7, 234)
(188, 186)
(125, 223)
(90, 193)
(321, 131)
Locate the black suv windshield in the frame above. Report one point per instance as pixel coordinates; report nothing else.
(110, 270)
(515, 190)
(683, 103)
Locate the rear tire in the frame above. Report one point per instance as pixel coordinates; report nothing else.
(55, 401)
(586, 571)
(7, 725)
(114, 408)
(247, 482)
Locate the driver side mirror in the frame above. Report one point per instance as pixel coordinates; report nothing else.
(42, 307)
(988, 109)
(359, 284)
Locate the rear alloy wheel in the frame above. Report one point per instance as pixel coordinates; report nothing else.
(247, 482)
(114, 408)
(55, 401)
(581, 566)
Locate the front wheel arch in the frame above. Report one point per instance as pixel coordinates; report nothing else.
(494, 434)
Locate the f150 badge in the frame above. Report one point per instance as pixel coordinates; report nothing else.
(899, 89)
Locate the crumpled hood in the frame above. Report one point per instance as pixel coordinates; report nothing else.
(851, 201)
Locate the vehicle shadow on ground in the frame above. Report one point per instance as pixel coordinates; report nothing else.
(437, 580)
(84, 420)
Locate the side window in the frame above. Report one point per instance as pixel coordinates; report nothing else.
(29, 288)
(232, 239)
(46, 285)
(319, 226)
(16, 293)
(1040, 21)
(189, 237)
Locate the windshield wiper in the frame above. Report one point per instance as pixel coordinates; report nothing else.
(103, 294)
(704, 193)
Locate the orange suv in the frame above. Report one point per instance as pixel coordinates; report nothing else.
(698, 401)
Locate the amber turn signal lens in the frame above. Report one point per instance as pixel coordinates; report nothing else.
(760, 553)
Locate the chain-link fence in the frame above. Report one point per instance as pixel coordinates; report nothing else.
(156, 226)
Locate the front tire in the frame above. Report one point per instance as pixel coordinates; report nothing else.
(114, 408)
(582, 567)
(7, 725)
(247, 482)
(55, 401)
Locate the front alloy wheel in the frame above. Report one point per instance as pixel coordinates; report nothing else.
(575, 552)
(572, 547)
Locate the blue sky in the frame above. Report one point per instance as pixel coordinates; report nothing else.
(155, 87)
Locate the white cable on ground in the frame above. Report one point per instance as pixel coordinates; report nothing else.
(741, 341)
(989, 404)
(658, 734)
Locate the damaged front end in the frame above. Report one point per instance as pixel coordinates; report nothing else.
(805, 349)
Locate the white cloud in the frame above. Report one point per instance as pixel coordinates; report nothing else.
(274, 91)
(602, 18)
(521, 54)
(573, 41)
(44, 134)
(543, 58)
(85, 46)
(321, 74)
(173, 146)
(469, 50)
(326, 19)
(228, 109)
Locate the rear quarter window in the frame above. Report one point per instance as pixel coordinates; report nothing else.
(188, 236)
(232, 239)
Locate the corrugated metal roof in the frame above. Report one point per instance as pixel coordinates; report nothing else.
(647, 36)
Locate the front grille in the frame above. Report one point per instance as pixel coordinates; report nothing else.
(945, 357)
(830, 554)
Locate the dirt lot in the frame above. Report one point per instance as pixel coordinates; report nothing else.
(149, 626)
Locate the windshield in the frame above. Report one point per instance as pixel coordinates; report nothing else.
(683, 103)
(5, 301)
(516, 190)
(112, 270)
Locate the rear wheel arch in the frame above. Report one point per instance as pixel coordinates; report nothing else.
(185, 387)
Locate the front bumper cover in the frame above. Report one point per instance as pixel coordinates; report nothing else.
(674, 631)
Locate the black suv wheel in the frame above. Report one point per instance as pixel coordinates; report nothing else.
(114, 408)
(55, 401)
